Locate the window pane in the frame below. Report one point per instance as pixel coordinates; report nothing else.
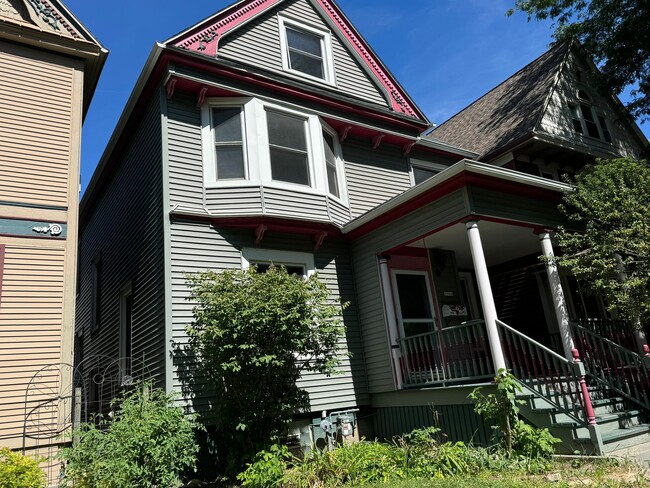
(289, 166)
(330, 161)
(286, 131)
(227, 124)
(306, 64)
(332, 180)
(303, 41)
(423, 174)
(292, 269)
(413, 296)
(230, 162)
(603, 127)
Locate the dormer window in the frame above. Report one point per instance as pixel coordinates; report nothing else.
(586, 120)
(306, 51)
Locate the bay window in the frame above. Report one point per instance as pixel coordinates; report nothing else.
(247, 141)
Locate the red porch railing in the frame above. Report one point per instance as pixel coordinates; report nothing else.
(451, 355)
(619, 331)
(614, 366)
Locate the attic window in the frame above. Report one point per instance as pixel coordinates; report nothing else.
(306, 51)
(586, 120)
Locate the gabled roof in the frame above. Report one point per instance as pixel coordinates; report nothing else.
(50, 26)
(507, 113)
(204, 37)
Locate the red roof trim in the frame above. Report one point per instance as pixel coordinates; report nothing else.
(272, 85)
(461, 180)
(273, 224)
(205, 40)
(398, 99)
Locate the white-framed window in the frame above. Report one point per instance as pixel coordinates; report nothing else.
(423, 170)
(306, 50)
(586, 120)
(251, 142)
(300, 263)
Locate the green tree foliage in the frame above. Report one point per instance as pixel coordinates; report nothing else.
(255, 334)
(612, 32)
(610, 202)
(148, 442)
(18, 471)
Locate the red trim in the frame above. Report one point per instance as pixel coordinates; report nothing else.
(205, 41)
(212, 66)
(456, 182)
(412, 252)
(3, 248)
(269, 224)
(398, 99)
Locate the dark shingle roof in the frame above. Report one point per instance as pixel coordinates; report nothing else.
(507, 112)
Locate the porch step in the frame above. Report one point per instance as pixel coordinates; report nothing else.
(626, 437)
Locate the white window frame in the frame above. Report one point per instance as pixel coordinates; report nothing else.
(398, 308)
(426, 165)
(257, 158)
(279, 257)
(326, 50)
(340, 165)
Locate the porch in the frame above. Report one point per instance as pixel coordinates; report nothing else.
(464, 294)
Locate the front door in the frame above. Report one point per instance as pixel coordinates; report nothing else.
(414, 305)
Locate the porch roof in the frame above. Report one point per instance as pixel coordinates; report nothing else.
(462, 174)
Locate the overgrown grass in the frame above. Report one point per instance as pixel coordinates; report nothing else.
(417, 460)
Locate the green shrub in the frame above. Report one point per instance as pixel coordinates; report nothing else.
(267, 469)
(148, 442)
(503, 407)
(532, 442)
(262, 329)
(18, 471)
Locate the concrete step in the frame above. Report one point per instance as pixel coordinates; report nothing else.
(619, 420)
(625, 438)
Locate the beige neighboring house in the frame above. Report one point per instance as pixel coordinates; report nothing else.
(49, 67)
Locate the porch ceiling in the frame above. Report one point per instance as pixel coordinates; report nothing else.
(501, 242)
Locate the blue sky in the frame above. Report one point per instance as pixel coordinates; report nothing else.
(446, 53)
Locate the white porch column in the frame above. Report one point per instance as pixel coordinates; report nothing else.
(559, 303)
(485, 292)
(391, 320)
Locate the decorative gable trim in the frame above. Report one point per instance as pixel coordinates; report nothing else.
(398, 100)
(205, 41)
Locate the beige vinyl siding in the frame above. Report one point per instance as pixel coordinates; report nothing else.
(125, 231)
(36, 122)
(196, 247)
(366, 273)
(31, 318)
(259, 42)
(373, 175)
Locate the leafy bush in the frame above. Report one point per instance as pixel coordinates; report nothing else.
(254, 335)
(18, 471)
(532, 442)
(501, 407)
(148, 442)
(267, 469)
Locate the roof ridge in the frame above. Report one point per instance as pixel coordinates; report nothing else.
(533, 62)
